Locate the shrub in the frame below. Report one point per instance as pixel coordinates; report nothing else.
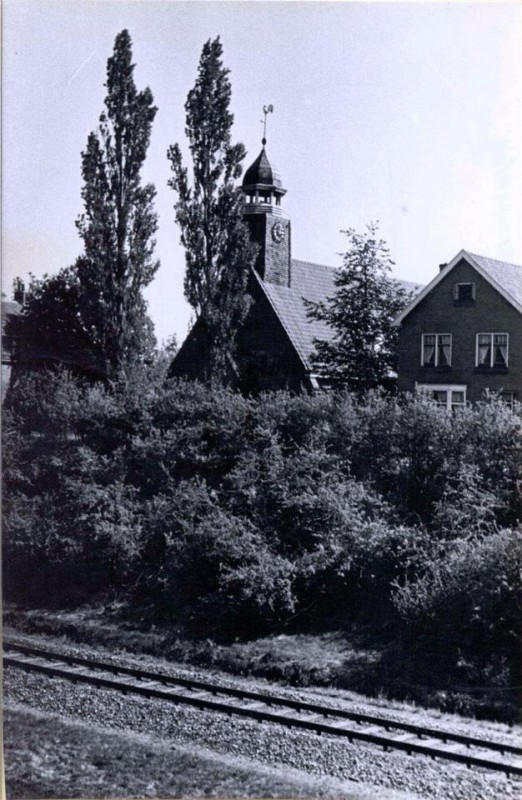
(238, 515)
(468, 604)
(209, 566)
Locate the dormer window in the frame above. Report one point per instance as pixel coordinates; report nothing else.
(464, 294)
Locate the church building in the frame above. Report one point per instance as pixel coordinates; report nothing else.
(276, 341)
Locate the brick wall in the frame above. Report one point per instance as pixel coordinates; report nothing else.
(274, 258)
(438, 313)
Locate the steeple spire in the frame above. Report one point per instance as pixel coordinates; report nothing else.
(269, 225)
(262, 182)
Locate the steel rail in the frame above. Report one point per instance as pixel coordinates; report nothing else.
(152, 684)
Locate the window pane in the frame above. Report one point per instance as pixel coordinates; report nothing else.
(464, 291)
(500, 347)
(508, 398)
(444, 354)
(440, 397)
(457, 397)
(484, 349)
(428, 351)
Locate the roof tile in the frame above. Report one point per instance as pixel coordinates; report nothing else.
(508, 276)
(313, 282)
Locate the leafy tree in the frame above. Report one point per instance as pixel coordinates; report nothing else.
(49, 329)
(93, 315)
(362, 351)
(219, 253)
(118, 224)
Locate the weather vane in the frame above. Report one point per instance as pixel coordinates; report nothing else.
(266, 110)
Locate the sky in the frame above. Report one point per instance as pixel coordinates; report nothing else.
(409, 114)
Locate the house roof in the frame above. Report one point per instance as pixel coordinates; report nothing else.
(314, 282)
(9, 307)
(506, 278)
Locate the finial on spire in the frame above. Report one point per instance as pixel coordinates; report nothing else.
(266, 110)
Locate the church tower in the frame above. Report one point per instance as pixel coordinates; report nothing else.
(269, 226)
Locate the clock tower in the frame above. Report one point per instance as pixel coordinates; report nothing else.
(269, 226)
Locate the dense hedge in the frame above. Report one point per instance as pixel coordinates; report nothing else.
(237, 515)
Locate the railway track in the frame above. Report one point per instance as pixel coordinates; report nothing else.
(353, 726)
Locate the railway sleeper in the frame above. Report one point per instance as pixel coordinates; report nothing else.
(371, 734)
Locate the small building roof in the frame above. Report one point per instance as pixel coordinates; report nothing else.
(9, 309)
(506, 278)
(313, 282)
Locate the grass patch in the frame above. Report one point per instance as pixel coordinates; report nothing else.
(46, 757)
(355, 660)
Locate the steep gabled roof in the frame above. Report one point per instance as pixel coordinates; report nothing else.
(504, 277)
(314, 282)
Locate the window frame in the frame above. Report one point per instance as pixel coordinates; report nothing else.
(492, 364)
(464, 300)
(509, 397)
(449, 388)
(436, 364)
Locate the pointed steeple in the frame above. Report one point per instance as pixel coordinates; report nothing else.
(262, 182)
(269, 226)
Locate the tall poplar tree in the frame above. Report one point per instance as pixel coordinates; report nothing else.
(209, 211)
(362, 351)
(119, 222)
(92, 315)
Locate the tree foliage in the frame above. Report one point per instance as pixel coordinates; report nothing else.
(362, 351)
(50, 329)
(93, 315)
(119, 222)
(239, 515)
(209, 211)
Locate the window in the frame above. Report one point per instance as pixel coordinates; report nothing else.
(464, 293)
(436, 350)
(448, 397)
(508, 398)
(492, 350)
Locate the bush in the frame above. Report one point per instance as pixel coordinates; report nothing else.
(213, 569)
(468, 605)
(237, 515)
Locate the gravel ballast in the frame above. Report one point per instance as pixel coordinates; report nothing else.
(334, 698)
(48, 756)
(265, 743)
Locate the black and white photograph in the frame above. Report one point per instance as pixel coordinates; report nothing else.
(261, 399)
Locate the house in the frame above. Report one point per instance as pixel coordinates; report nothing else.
(277, 340)
(10, 308)
(462, 334)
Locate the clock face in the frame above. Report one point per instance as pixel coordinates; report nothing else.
(278, 232)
